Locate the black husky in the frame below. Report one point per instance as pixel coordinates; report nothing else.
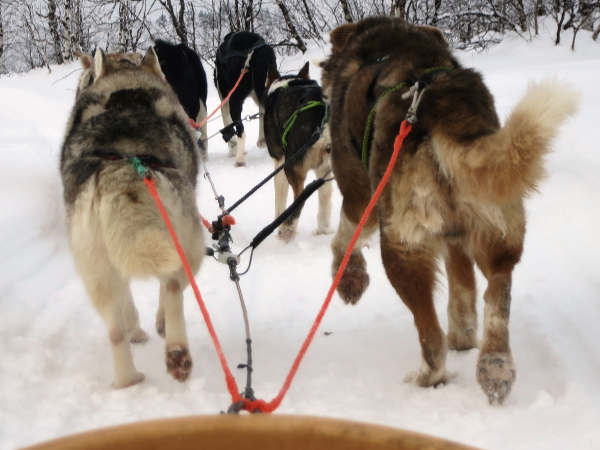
(231, 58)
(184, 72)
(294, 115)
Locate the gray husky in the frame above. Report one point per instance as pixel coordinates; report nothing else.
(126, 109)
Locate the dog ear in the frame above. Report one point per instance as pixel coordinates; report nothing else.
(150, 63)
(341, 36)
(100, 64)
(272, 75)
(436, 33)
(85, 59)
(304, 72)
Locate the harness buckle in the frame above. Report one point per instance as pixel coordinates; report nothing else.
(411, 115)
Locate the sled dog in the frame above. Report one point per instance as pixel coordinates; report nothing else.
(456, 190)
(294, 114)
(184, 71)
(115, 229)
(230, 60)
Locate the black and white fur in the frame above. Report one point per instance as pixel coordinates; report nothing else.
(125, 108)
(230, 60)
(184, 71)
(284, 96)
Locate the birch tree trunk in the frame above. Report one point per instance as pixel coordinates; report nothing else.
(53, 26)
(66, 31)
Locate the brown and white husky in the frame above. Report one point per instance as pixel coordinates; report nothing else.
(456, 190)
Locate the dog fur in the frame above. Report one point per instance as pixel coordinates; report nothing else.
(230, 60)
(115, 229)
(281, 102)
(184, 71)
(456, 190)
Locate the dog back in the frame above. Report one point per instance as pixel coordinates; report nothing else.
(184, 71)
(294, 111)
(128, 111)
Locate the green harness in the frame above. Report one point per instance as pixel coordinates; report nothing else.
(290, 122)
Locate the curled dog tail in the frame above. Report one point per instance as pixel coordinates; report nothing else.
(508, 164)
(137, 240)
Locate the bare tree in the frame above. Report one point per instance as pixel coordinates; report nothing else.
(52, 18)
(1, 32)
(177, 19)
(290, 26)
(346, 10)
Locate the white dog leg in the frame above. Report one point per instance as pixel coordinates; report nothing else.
(261, 143)
(226, 115)
(132, 321)
(109, 296)
(203, 144)
(281, 188)
(178, 359)
(240, 156)
(324, 213)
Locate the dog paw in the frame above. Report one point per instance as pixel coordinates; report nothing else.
(353, 284)
(239, 164)
(427, 378)
(179, 363)
(261, 143)
(286, 235)
(463, 340)
(496, 375)
(138, 336)
(324, 230)
(129, 380)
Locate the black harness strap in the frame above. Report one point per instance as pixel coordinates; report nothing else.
(307, 192)
(241, 53)
(314, 138)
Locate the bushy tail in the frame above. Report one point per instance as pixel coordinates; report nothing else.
(506, 165)
(136, 237)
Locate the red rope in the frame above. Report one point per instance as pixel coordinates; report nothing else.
(263, 406)
(230, 380)
(274, 404)
(198, 125)
(205, 222)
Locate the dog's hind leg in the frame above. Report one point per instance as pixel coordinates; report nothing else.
(496, 257)
(462, 311)
(132, 320)
(296, 178)
(110, 294)
(226, 116)
(160, 318)
(178, 359)
(281, 188)
(355, 280)
(236, 103)
(411, 270)
(203, 140)
(262, 142)
(324, 213)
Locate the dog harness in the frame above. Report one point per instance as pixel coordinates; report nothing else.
(240, 53)
(306, 86)
(364, 152)
(149, 161)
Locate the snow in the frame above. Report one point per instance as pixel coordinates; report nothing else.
(56, 364)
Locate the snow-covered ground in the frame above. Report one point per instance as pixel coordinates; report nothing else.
(55, 359)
